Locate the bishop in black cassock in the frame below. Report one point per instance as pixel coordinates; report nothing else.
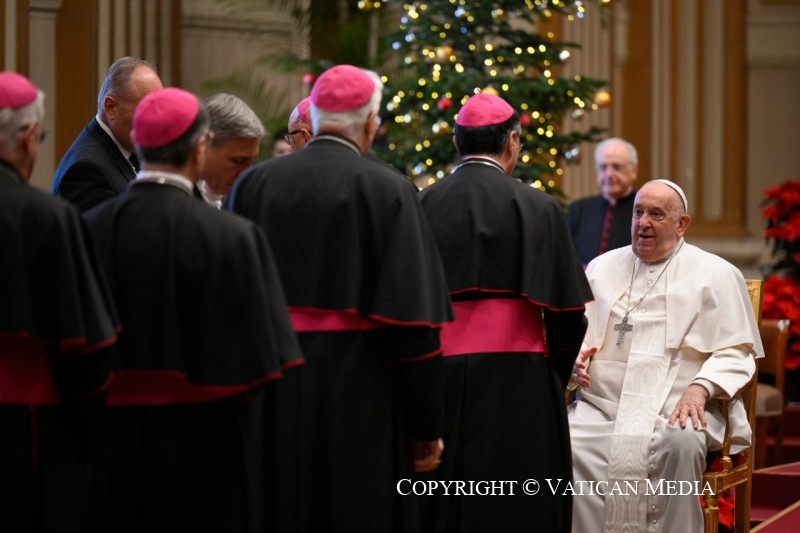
(518, 294)
(205, 330)
(367, 297)
(56, 323)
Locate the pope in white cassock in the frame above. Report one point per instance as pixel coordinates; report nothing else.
(671, 332)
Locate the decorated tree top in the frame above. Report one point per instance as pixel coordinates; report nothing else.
(451, 49)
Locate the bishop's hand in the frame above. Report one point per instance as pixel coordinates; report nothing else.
(427, 455)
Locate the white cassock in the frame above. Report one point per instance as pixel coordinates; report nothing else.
(618, 426)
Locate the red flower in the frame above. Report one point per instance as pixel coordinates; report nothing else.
(782, 288)
(793, 225)
(781, 300)
(771, 212)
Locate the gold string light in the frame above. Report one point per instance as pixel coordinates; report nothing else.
(452, 57)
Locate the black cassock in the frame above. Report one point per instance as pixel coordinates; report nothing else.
(204, 327)
(56, 322)
(513, 274)
(367, 294)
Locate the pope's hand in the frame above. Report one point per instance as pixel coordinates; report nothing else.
(691, 405)
(580, 375)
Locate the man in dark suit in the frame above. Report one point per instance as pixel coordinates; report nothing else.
(233, 145)
(102, 160)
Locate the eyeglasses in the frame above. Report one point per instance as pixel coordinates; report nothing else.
(288, 136)
(42, 134)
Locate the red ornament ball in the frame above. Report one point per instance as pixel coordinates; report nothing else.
(308, 78)
(525, 120)
(444, 104)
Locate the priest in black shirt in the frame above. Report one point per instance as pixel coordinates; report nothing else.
(603, 222)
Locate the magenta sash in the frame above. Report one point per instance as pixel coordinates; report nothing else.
(26, 376)
(493, 325)
(160, 387)
(309, 319)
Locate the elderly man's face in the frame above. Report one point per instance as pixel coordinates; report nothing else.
(658, 222)
(615, 172)
(225, 161)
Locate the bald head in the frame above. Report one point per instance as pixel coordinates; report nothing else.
(128, 81)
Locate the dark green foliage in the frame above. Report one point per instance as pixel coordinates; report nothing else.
(452, 49)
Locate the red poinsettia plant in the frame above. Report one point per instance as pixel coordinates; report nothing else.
(782, 285)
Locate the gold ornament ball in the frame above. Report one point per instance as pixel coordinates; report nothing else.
(602, 98)
(490, 90)
(444, 53)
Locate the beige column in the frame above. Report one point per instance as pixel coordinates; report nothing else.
(42, 70)
(595, 60)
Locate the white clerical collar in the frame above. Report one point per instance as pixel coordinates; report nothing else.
(165, 178)
(210, 197)
(106, 129)
(336, 138)
(479, 160)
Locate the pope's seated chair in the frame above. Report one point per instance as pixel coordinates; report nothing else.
(723, 471)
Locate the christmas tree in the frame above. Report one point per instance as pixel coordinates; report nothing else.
(449, 50)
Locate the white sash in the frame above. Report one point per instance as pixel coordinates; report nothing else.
(641, 399)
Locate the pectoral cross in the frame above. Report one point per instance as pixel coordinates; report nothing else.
(623, 328)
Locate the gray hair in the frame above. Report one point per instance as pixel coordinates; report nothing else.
(231, 118)
(13, 121)
(350, 122)
(633, 156)
(118, 78)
